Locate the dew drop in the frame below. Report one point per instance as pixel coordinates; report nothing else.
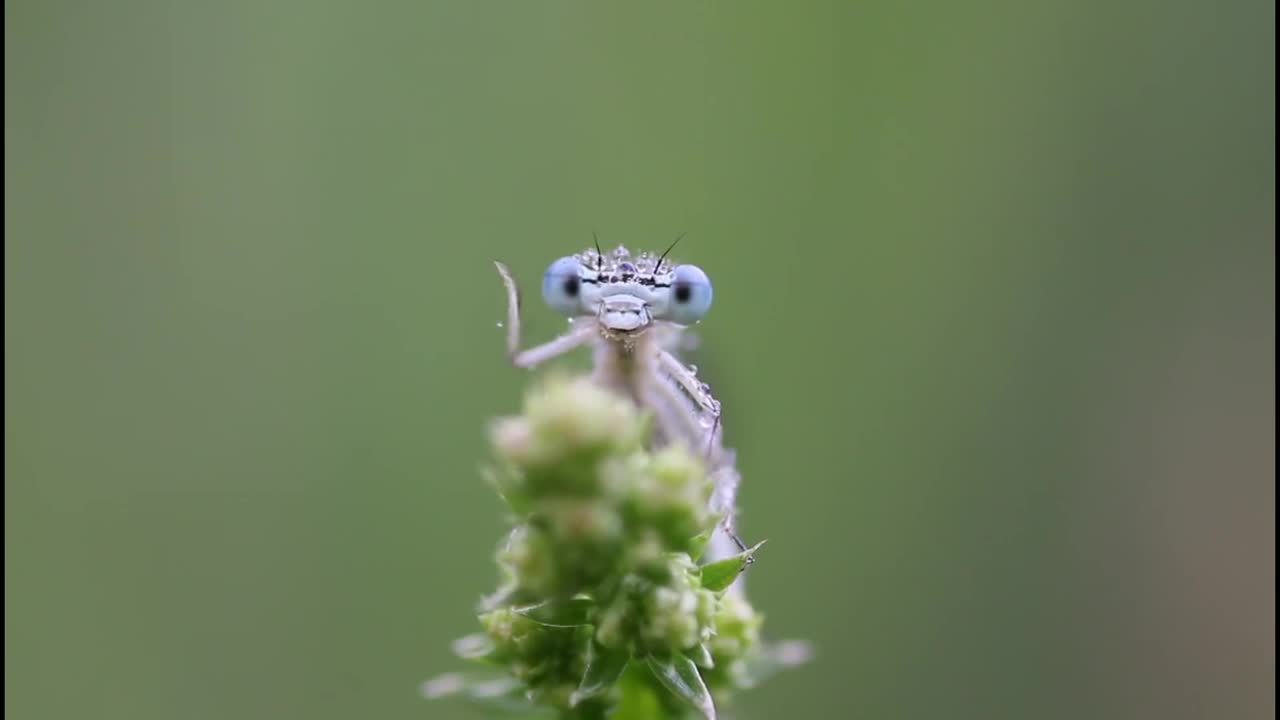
(500, 325)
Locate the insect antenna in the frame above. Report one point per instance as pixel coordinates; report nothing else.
(658, 267)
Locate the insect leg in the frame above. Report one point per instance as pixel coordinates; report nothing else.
(700, 409)
(546, 351)
(691, 385)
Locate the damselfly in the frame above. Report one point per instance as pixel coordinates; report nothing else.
(632, 310)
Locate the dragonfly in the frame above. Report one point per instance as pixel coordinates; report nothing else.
(632, 309)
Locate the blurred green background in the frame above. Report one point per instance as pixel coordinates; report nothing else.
(994, 332)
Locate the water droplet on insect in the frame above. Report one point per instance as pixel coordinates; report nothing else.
(499, 324)
(693, 369)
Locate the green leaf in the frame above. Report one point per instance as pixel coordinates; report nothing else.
(701, 656)
(501, 481)
(699, 544)
(604, 666)
(638, 697)
(678, 674)
(719, 575)
(559, 613)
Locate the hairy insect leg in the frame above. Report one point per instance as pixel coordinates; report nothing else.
(559, 346)
(699, 407)
(541, 353)
(675, 418)
(725, 542)
(687, 380)
(724, 498)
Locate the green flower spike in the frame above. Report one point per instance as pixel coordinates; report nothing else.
(604, 611)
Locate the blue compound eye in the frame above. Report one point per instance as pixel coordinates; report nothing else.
(562, 286)
(690, 294)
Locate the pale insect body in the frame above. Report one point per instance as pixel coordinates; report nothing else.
(632, 309)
